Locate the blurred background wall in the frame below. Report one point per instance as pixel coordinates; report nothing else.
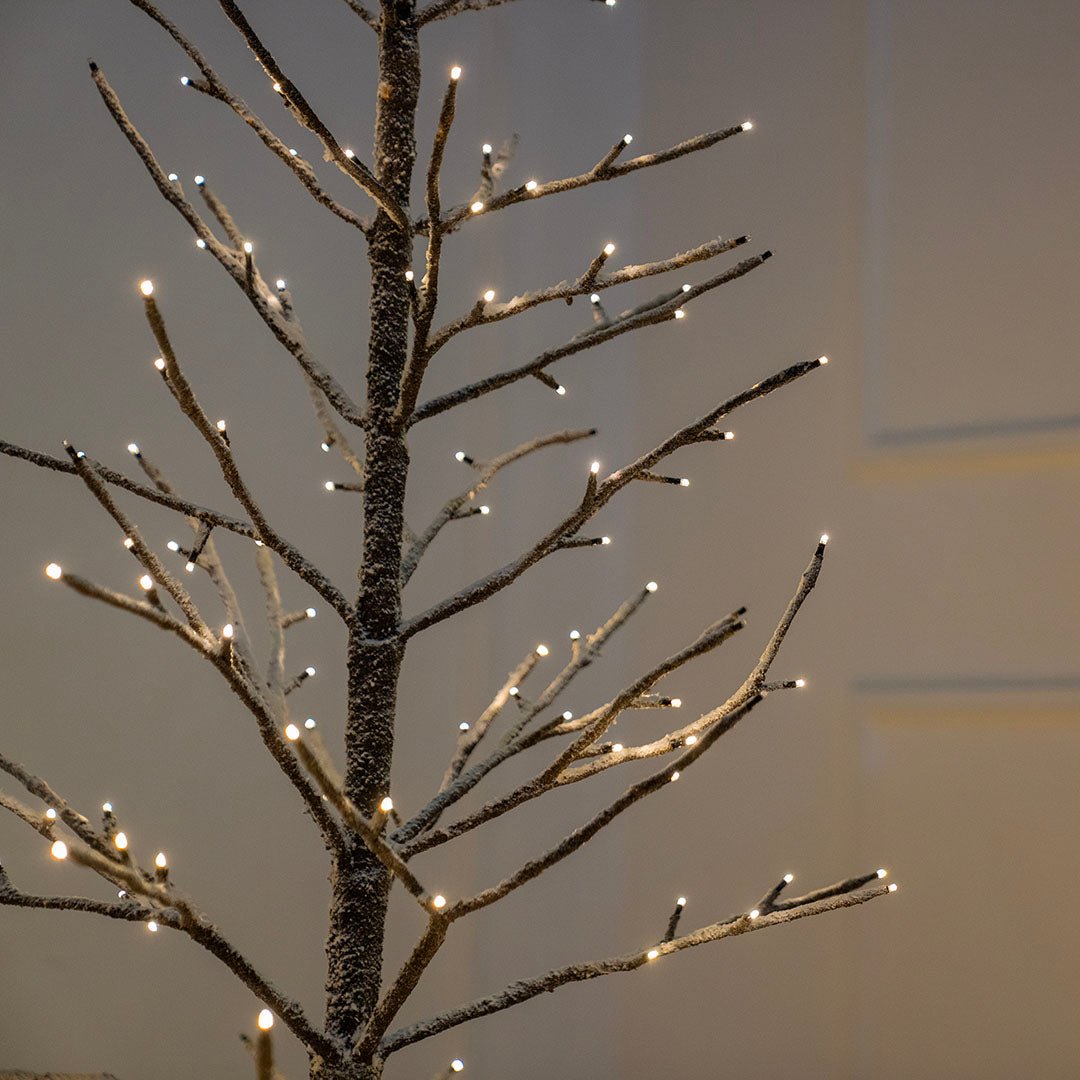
(913, 165)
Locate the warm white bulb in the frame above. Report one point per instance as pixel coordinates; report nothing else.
(309, 723)
(128, 543)
(594, 468)
(800, 683)
(531, 185)
(691, 739)
(609, 249)
(893, 887)
(159, 363)
(686, 287)
(173, 178)
(200, 180)
(477, 207)
(409, 275)
(146, 582)
(651, 587)
(133, 448)
(185, 80)
(485, 510)
(349, 154)
(386, 805)
(438, 901)
(824, 538)
(59, 850)
(617, 747)
(575, 635)
(277, 88)
(457, 1064)
(542, 650)
(221, 425)
(675, 776)
(747, 125)
(789, 878)
(679, 313)
(309, 671)
(560, 390)
(455, 73)
(310, 612)
(329, 485)
(823, 360)
(292, 732)
(106, 807)
(486, 148)
(121, 841)
(652, 954)
(266, 1017)
(882, 872)
(249, 247)
(463, 726)
(160, 861)
(227, 631)
(681, 902)
(684, 481)
(54, 571)
(627, 139)
(280, 284)
(594, 298)
(676, 702)
(489, 296)
(147, 287)
(754, 914)
(513, 691)
(152, 926)
(51, 813)
(292, 152)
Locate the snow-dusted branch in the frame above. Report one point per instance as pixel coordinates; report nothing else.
(306, 116)
(605, 169)
(233, 262)
(370, 18)
(486, 471)
(660, 310)
(522, 991)
(606, 490)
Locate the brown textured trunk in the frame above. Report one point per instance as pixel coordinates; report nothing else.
(360, 885)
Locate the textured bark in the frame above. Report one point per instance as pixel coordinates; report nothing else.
(360, 883)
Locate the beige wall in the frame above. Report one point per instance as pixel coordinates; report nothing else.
(912, 166)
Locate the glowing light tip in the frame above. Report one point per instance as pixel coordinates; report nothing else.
(651, 587)
(121, 841)
(185, 80)
(146, 286)
(349, 154)
(485, 510)
(823, 360)
(249, 247)
(800, 683)
(489, 296)
(455, 73)
(128, 543)
(309, 723)
(310, 612)
(477, 207)
(386, 805)
(676, 702)
(152, 926)
(160, 861)
(610, 3)
(146, 582)
(438, 902)
(627, 139)
(277, 88)
(309, 671)
(747, 125)
(280, 284)
(409, 275)
(106, 807)
(893, 887)
(609, 249)
(329, 485)
(605, 540)
(675, 775)
(172, 545)
(325, 447)
(457, 1064)
(824, 538)
(486, 148)
(50, 814)
(617, 747)
(531, 185)
(568, 715)
(684, 481)
(594, 468)
(542, 650)
(54, 571)
(882, 872)
(227, 631)
(221, 425)
(681, 902)
(133, 448)
(159, 363)
(560, 390)
(460, 455)
(292, 732)
(173, 178)
(686, 287)
(652, 954)
(59, 850)
(463, 726)
(575, 635)
(789, 878)
(754, 914)
(679, 313)
(594, 299)
(200, 180)
(691, 740)
(266, 1017)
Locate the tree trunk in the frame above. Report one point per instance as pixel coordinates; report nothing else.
(360, 885)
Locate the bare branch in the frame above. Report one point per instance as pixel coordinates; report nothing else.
(371, 19)
(518, 992)
(487, 471)
(635, 319)
(606, 491)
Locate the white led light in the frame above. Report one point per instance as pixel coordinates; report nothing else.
(349, 154)
(486, 148)
(292, 732)
(651, 586)
(824, 538)
(568, 715)
(106, 808)
(485, 510)
(309, 723)
(460, 455)
(789, 878)
(54, 571)
(489, 296)
(531, 185)
(882, 872)
(121, 841)
(627, 139)
(160, 861)
(609, 249)
(266, 1017)
(754, 914)
(594, 468)
(227, 631)
(386, 805)
(617, 747)
(679, 313)
(310, 612)
(128, 543)
(684, 481)
(652, 954)
(686, 287)
(455, 73)
(605, 540)
(575, 635)
(59, 850)
(133, 448)
(823, 360)
(280, 284)
(893, 887)
(477, 207)
(51, 814)
(146, 582)
(457, 1064)
(463, 726)
(560, 390)
(147, 287)
(185, 80)
(292, 152)
(249, 247)
(594, 298)
(691, 739)
(409, 275)
(675, 776)
(200, 243)
(438, 901)
(152, 926)
(173, 178)
(277, 88)
(747, 125)
(309, 671)
(200, 180)
(329, 485)
(159, 363)
(172, 545)
(542, 650)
